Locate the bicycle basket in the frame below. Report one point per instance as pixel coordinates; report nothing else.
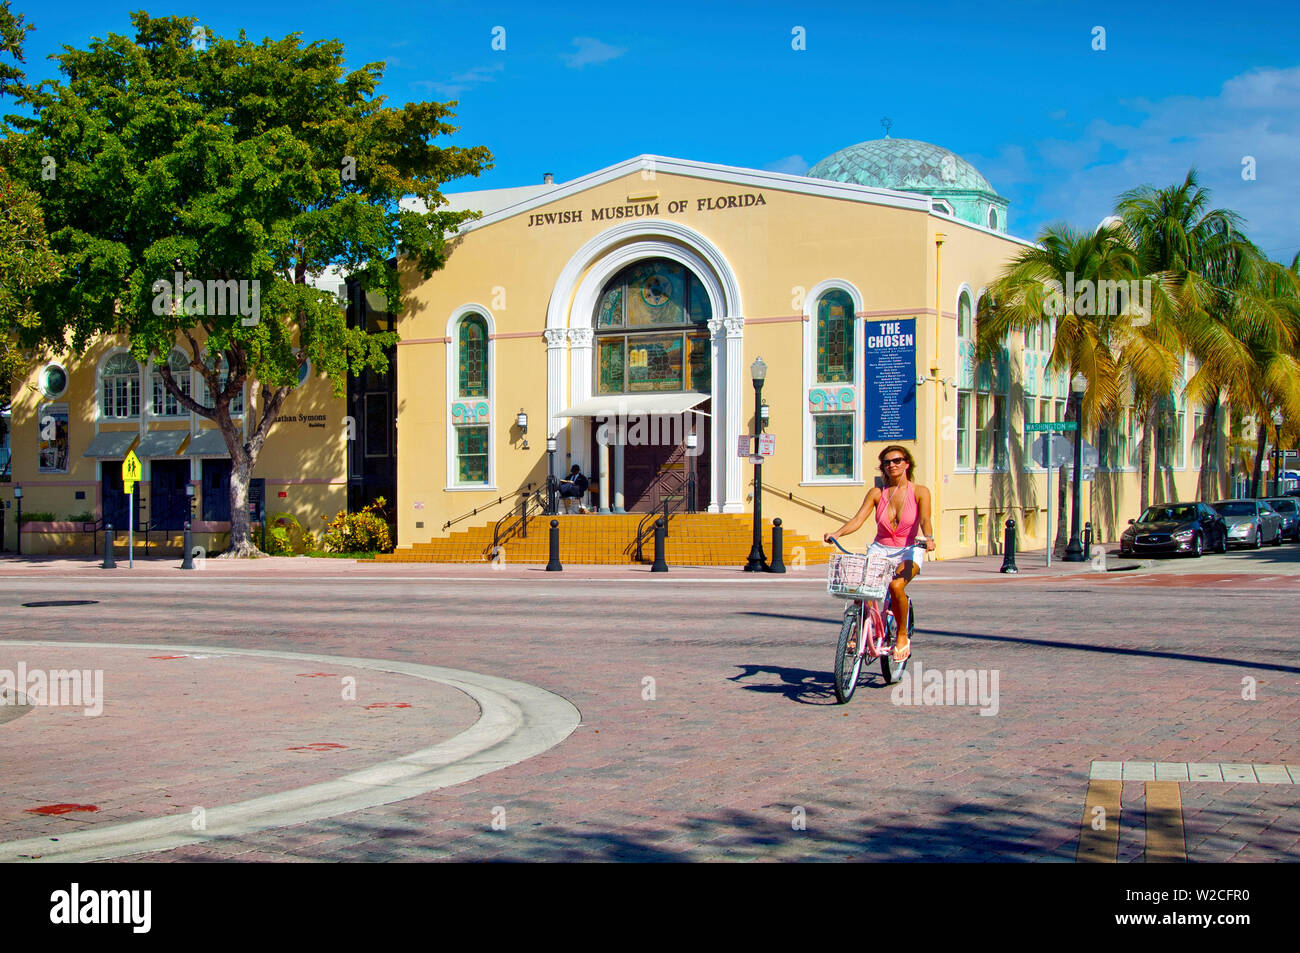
(856, 576)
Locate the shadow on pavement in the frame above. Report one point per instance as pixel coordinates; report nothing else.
(803, 685)
(1074, 646)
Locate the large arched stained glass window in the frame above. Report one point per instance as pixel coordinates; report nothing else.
(835, 338)
(649, 330)
(472, 354)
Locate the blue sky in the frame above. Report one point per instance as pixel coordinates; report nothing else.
(1014, 87)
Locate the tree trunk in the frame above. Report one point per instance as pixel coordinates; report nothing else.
(241, 524)
(1205, 484)
(1063, 487)
(1144, 458)
(1258, 470)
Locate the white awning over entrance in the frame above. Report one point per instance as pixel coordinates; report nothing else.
(635, 405)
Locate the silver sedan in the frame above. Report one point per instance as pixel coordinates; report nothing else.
(1250, 522)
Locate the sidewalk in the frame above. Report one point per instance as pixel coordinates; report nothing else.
(970, 569)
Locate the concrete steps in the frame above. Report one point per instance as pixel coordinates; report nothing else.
(694, 539)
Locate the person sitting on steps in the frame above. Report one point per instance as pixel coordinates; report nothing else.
(573, 490)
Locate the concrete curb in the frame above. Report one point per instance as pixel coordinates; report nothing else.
(518, 721)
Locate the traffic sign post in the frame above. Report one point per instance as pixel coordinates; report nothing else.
(1052, 425)
(130, 476)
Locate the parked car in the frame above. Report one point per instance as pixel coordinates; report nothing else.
(1289, 509)
(1251, 522)
(1188, 528)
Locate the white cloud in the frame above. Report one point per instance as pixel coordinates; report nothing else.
(794, 165)
(1254, 114)
(591, 51)
(458, 84)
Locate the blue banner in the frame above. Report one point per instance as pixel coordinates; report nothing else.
(889, 383)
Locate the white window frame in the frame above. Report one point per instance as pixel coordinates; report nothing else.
(101, 378)
(452, 351)
(156, 384)
(810, 477)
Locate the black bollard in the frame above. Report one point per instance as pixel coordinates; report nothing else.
(660, 532)
(778, 547)
(1009, 549)
(188, 561)
(554, 564)
(1087, 539)
(109, 562)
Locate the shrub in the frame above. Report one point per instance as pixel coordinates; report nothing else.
(364, 532)
(85, 516)
(39, 516)
(285, 536)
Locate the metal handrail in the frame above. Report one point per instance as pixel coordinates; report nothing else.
(646, 527)
(530, 505)
(768, 488)
(528, 488)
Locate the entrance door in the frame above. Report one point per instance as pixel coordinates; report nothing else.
(655, 473)
(167, 500)
(113, 499)
(216, 490)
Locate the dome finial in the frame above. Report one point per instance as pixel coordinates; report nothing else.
(888, 124)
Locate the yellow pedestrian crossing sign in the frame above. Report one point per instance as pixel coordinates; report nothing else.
(130, 472)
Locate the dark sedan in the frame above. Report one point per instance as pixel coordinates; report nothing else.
(1190, 528)
(1289, 508)
(1251, 522)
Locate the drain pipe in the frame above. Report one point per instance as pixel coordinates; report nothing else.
(939, 392)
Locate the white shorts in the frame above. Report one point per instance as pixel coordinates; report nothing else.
(914, 553)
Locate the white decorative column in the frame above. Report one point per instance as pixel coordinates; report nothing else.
(580, 366)
(556, 341)
(604, 476)
(733, 500)
(619, 503)
(718, 425)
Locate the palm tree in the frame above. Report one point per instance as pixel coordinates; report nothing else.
(1032, 291)
(1269, 326)
(1205, 266)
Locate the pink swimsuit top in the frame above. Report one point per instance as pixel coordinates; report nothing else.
(904, 534)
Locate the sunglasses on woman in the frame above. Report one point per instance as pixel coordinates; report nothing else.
(893, 461)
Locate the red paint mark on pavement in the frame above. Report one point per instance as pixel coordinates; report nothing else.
(317, 746)
(318, 675)
(168, 656)
(62, 808)
(388, 705)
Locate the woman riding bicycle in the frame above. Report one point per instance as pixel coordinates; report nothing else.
(901, 507)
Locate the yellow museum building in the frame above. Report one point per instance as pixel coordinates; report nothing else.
(621, 314)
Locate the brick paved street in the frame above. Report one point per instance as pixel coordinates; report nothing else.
(741, 744)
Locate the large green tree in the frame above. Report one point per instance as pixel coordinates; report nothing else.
(229, 160)
(26, 261)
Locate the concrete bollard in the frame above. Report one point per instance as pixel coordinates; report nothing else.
(1009, 549)
(778, 547)
(109, 561)
(188, 561)
(661, 531)
(554, 564)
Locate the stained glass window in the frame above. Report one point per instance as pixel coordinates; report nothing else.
(471, 455)
(636, 307)
(834, 338)
(473, 356)
(834, 445)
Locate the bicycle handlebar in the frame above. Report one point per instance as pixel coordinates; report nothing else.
(920, 539)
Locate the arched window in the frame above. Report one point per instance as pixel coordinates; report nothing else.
(649, 330)
(121, 387)
(965, 384)
(473, 356)
(218, 362)
(165, 403)
(834, 338)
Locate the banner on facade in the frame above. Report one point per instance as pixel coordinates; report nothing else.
(890, 380)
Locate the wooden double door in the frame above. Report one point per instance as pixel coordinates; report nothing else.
(657, 467)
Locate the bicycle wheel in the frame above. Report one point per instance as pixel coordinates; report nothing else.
(848, 663)
(892, 670)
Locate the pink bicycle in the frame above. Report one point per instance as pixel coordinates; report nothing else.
(869, 631)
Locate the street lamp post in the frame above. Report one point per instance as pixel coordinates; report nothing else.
(18, 500)
(1074, 551)
(1277, 462)
(692, 441)
(550, 474)
(757, 561)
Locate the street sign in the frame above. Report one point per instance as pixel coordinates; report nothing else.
(131, 468)
(743, 444)
(1052, 450)
(766, 444)
(1052, 425)
(755, 459)
(130, 475)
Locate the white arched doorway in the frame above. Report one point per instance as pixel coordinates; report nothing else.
(570, 338)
